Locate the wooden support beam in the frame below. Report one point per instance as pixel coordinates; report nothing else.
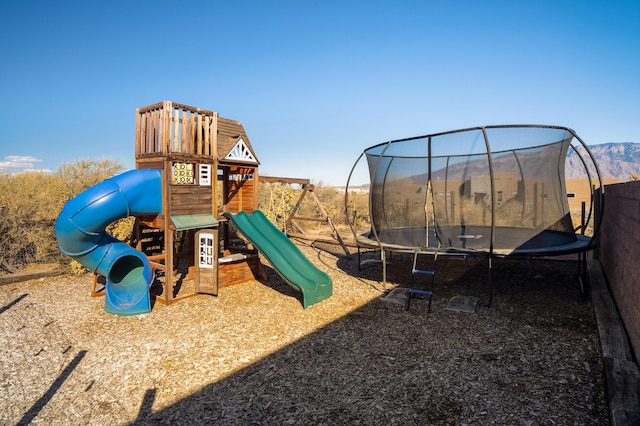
(284, 180)
(158, 266)
(311, 219)
(168, 233)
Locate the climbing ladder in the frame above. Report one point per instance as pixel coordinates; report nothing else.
(428, 272)
(412, 291)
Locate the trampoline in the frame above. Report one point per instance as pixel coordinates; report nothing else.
(494, 191)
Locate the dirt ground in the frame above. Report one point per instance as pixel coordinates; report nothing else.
(253, 355)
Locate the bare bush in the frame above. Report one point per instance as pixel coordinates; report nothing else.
(277, 200)
(30, 203)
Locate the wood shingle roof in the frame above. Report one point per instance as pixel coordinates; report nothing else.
(230, 132)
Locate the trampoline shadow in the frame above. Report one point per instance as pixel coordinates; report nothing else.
(356, 367)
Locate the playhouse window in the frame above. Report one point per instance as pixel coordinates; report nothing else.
(240, 177)
(204, 174)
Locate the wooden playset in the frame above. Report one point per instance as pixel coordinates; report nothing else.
(193, 194)
(208, 166)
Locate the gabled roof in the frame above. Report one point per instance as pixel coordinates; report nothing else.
(233, 143)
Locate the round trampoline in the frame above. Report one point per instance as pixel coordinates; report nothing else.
(490, 190)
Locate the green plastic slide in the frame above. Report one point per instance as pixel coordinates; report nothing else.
(284, 256)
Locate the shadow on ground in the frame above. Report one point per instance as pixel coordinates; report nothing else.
(532, 357)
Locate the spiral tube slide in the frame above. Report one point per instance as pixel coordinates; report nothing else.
(80, 232)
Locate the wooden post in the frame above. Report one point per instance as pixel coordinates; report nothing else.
(212, 147)
(295, 208)
(199, 134)
(168, 233)
(176, 131)
(256, 193)
(154, 130)
(137, 137)
(239, 189)
(164, 128)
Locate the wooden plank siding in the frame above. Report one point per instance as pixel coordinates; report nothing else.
(190, 199)
(240, 194)
(248, 196)
(156, 163)
(239, 271)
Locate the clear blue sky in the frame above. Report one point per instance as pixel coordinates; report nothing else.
(314, 82)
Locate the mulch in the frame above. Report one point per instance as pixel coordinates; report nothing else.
(253, 355)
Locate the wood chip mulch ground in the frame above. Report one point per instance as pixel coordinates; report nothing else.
(253, 355)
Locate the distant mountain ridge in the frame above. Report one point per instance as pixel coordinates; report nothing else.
(615, 160)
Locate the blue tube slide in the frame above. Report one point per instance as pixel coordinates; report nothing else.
(80, 231)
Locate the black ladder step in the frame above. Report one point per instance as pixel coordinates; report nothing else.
(422, 271)
(425, 292)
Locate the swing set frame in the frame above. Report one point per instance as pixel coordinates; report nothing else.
(290, 227)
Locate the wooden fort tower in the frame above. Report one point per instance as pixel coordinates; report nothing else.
(208, 166)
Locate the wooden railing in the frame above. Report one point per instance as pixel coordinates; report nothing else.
(167, 128)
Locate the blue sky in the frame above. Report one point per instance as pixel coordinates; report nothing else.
(314, 83)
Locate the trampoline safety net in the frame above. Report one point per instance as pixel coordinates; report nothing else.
(492, 189)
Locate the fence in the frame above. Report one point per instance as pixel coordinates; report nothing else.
(619, 251)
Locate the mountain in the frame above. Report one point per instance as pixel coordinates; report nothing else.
(617, 160)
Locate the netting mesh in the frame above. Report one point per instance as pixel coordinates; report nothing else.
(499, 187)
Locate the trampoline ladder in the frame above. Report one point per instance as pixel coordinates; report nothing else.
(432, 273)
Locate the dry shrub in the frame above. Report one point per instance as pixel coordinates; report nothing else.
(30, 203)
(276, 201)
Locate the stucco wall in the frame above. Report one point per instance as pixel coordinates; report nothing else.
(619, 253)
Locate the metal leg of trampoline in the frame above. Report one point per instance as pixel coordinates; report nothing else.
(585, 275)
(490, 278)
(582, 272)
(383, 257)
